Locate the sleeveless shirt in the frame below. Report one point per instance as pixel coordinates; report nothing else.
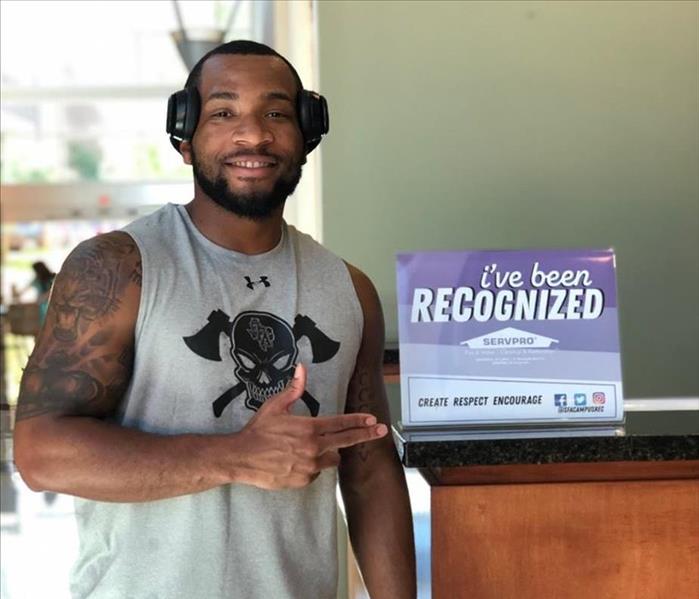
(217, 333)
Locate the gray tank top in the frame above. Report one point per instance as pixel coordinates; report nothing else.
(217, 333)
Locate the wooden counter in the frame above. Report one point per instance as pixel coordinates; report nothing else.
(558, 528)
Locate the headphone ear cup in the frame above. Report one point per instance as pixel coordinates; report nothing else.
(314, 118)
(193, 110)
(176, 114)
(182, 115)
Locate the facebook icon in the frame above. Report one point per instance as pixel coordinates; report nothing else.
(560, 399)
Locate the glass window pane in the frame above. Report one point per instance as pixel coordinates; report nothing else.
(85, 86)
(99, 139)
(106, 43)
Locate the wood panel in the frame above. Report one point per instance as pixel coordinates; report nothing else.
(391, 373)
(600, 540)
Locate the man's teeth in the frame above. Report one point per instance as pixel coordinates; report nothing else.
(251, 164)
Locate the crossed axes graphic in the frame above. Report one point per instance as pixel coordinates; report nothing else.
(205, 343)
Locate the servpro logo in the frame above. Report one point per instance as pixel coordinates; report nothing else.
(509, 338)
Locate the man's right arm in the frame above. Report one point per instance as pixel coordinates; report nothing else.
(79, 371)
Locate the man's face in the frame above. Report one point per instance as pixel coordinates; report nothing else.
(247, 150)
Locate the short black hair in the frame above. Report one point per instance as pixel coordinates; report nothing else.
(241, 47)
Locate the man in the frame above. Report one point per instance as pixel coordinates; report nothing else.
(190, 380)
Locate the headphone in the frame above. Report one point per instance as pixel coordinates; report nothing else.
(184, 106)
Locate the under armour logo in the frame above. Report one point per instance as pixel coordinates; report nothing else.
(263, 279)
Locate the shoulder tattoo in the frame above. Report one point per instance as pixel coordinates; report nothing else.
(91, 284)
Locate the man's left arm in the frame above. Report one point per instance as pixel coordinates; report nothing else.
(372, 480)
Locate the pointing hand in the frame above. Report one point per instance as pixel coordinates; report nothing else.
(278, 450)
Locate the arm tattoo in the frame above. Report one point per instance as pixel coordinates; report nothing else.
(120, 381)
(91, 283)
(137, 274)
(62, 385)
(46, 390)
(359, 400)
(75, 369)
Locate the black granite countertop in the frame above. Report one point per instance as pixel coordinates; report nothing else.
(560, 450)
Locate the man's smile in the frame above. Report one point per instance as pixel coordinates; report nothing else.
(252, 166)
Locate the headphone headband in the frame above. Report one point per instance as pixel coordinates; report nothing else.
(184, 106)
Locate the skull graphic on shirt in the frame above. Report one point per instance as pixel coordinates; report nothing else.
(264, 350)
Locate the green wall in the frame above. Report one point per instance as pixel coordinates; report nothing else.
(524, 124)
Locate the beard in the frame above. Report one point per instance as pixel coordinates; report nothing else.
(254, 205)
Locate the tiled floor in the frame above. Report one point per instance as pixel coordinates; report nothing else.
(39, 541)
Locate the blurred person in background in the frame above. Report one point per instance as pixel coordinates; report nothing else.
(208, 374)
(43, 279)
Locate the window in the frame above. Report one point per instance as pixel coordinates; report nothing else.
(85, 85)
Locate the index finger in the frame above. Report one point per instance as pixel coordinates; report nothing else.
(334, 424)
(354, 436)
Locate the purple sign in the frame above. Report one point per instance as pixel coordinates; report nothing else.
(506, 337)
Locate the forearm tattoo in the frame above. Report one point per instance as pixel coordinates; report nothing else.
(74, 368)
(359, 400)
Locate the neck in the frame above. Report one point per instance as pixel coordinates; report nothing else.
(234, 232)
